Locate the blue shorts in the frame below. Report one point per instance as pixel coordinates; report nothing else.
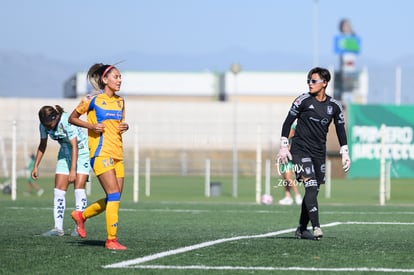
(64, 161)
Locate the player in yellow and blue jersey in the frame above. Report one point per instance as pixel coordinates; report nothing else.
(72, 161)
(105, 123)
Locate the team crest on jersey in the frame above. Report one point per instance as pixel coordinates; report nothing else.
(329, 110)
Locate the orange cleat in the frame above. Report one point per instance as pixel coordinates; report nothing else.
(114, 245)
(80, 223)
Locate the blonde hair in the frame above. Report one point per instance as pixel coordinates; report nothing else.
(95, 74)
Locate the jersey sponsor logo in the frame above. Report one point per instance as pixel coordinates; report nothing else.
(116, 115)
(103, 114)
(325, 121)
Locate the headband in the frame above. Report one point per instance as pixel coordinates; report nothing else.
(107, 70)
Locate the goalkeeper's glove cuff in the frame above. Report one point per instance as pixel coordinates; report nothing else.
(284, 142)
(344, 150)
(346, 161)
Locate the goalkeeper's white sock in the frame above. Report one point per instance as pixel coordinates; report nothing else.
(59, 205)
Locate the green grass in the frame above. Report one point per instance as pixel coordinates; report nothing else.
(178, 215)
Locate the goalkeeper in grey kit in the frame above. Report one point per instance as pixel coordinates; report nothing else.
(314, 112)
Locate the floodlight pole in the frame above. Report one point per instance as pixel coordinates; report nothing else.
(235, 69)
(13, 183)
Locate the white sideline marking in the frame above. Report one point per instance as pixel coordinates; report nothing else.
(265, 268)
(272, 211)
(135, 263)
(381, 223)
(198, 246)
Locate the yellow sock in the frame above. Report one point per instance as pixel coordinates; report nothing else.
(95, 208)
(112, 208)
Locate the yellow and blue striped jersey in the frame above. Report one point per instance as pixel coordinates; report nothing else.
(110, 111)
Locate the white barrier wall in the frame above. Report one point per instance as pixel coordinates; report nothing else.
(160, 83)
(266, 83)
(184, 126)
(207, 84)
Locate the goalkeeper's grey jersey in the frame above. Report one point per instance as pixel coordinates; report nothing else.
(313, 120)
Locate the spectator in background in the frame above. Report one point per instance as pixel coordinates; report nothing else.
(31, 183)
(289, 179)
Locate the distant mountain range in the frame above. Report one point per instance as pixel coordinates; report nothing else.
(38, 76)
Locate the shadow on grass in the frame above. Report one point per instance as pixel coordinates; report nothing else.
(88, 243)
(294, 238)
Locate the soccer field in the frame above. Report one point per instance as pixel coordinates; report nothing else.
(178, 231)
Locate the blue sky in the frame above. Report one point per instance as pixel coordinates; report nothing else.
(77, 29)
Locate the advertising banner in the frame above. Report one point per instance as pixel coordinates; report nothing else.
(368, 140)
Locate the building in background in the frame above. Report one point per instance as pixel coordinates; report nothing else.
(209, 86)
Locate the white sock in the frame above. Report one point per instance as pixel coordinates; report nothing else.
(59, 205)
(80, 199)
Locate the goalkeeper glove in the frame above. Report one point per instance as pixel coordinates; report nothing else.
(284, 155)
(346, 161)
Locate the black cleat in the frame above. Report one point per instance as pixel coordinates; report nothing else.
(303, 234)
